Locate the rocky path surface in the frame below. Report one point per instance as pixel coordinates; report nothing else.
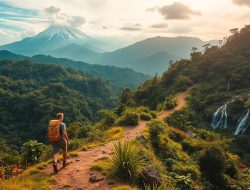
(77, 174)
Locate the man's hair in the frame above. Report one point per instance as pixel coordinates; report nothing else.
(59, 115)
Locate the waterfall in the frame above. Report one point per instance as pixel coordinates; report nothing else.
(220, 117)
(242, 124)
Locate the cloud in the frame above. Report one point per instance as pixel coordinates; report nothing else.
(57, 17)
(130, 28)
(180, 30)
(175, 11)
(242, 2)
(76, 21)
(52, 10)
(159, 25)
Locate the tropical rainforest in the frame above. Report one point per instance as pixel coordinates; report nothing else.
(181, 151)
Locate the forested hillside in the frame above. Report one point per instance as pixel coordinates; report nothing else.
(219, 74)
(120, 77)
(31, 94)
(220, 95)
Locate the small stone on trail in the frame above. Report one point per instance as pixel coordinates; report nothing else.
(104, 152)
(103, 157)
(77, 160)
(94, 179)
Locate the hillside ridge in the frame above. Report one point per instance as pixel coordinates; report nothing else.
(77, 173)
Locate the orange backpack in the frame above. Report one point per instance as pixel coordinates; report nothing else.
(54, 131)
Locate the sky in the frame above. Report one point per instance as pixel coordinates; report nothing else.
(124, 21)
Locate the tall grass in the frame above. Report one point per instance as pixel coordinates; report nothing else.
(127, 164)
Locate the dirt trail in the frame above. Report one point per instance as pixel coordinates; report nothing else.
(76, 175)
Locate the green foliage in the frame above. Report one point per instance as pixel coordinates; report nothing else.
(153, 114)
(145, 116)
(170, 102)
(236, 107)
(247, 103)
(127, 162)
(31, 151)
(78, 130)
(129, 118)
(36, 92)
(182, 83)
(155, 127)
(121, 77)
(213, 171)
(108, 118)
(184, 182)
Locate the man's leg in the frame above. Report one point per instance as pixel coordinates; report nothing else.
(65, 155)
(55, 157)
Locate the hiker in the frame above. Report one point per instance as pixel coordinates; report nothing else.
(58, 138)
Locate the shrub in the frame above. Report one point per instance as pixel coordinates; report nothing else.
(212, 164)
(75, 144)
(170, 102)
(187, 169)
(129, 118)
(156, 127)
(127, 163)
(182, 83)
(108, 118)
(144, 109)
(78, 130)
(31, 151)
(188, 146)
(145, 116)
(177, 134)
(153, 114)
(231, 169)
(184, 182)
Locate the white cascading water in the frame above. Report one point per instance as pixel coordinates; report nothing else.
(243, 124)
(220, 117)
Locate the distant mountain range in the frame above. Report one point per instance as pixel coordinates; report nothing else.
(121, 77)
(148, 56)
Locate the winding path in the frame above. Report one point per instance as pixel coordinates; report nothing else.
(76, 175)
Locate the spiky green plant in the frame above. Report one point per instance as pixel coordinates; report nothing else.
(127, 163)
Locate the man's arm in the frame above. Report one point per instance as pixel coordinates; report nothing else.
(65, 135)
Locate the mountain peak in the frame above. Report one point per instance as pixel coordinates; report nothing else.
(62, 32)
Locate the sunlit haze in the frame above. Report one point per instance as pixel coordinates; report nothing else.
(124, 21)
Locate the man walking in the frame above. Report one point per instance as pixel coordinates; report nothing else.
(58, 138)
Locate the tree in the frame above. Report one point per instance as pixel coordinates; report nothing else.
(31, 151)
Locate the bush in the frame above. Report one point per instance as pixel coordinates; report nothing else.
(153, 114)
(108, 118)
(127, 163)
(184, 182)
(129, 118)
(170, 102)
(31, 151)
(156, 127)
(145, 116)
(212, 163)
(182, 83)
(75, 144)
(78, 130)
(177, 134)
